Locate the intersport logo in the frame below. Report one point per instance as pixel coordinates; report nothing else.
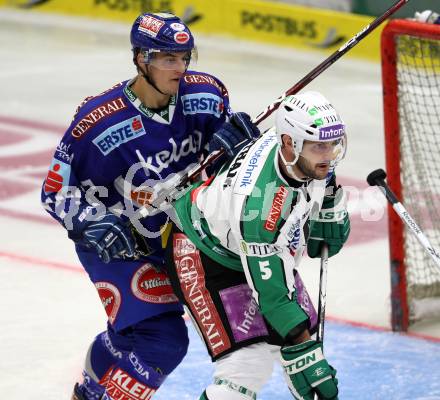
(331, 132)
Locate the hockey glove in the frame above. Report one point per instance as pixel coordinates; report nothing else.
(107, 234)
(332, 226)
(235, 134)
(308, 372)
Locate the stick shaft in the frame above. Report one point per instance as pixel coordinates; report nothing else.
(322, 293)
(409, 221)
(322, 297)
(330, 60)
(326, 63)
(300, 85)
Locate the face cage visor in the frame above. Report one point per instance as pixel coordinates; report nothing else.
(334, 150)
(167, 60)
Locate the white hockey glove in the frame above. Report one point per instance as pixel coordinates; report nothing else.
(308, 372)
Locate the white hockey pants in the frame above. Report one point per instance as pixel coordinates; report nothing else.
(241, 374)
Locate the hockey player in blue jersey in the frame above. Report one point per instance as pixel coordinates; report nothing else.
(152, 128)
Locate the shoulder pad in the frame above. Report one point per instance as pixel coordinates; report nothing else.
(194, 81)
(95, 109)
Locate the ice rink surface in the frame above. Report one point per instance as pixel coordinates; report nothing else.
(50, 311)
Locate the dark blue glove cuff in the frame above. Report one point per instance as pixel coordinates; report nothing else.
(235, 134)
(80, 221)
(105, 232)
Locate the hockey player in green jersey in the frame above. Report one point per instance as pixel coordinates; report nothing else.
(241, 235)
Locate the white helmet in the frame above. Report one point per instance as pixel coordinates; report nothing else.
(310, 116)
(428, 16)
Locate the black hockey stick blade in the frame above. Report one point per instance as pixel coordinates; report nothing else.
(377, 177)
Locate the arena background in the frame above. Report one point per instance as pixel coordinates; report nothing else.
(55, 53)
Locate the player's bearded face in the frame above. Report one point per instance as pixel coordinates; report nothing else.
(313, 170)
(315, 158)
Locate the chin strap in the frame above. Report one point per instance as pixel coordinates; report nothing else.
(289, 167)
(149, 80)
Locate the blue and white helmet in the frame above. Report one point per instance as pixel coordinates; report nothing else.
(310, 116)
(160, 32)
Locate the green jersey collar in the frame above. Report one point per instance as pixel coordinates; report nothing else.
(164, 116)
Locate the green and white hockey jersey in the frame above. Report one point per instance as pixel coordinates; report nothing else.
(250, 218)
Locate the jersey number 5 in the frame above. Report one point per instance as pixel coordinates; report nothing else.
(266, 272)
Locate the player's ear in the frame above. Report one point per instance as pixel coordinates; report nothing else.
(139, 58)
(287, 141)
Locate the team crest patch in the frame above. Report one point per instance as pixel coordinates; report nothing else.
(294, 236)
(110, 298)
(152, 285)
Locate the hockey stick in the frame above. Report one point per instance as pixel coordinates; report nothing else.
(330, 60)
(322, 293)
(211, 158)
(322, 296)
(377, 178)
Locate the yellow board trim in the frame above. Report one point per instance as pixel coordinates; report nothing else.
(256, 20)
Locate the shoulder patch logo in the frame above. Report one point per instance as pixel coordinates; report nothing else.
(57, 177)
(253, 165)
(93, 117)
(204, 79)
(202, 103)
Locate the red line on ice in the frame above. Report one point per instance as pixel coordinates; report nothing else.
(362, 231)
(8, 137)
(40, 262)
(381, 328)
(41, 219)
(72, 268)
(45, 126)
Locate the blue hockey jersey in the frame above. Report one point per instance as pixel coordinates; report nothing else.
(115, 144)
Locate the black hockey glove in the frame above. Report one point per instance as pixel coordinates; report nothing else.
(107, 234)
(235, 134)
